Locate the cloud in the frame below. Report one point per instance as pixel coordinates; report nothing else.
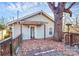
(14, 6)
(11, 6)
(21, 5)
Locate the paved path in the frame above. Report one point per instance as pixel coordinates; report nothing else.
(46, 53)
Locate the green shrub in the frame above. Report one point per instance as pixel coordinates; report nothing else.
(6, 36)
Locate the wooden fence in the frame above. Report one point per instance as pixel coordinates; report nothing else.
(15, 43)
(6, 49)
(71, 38)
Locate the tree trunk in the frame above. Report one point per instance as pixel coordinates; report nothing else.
(58, 15)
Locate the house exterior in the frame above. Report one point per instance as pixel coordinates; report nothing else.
(34, 26)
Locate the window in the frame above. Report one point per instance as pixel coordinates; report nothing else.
(50, 31)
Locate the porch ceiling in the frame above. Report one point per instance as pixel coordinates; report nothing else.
(32, 22)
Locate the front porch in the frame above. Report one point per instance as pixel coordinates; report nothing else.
(33, 29)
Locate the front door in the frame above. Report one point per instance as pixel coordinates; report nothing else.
(32, 32)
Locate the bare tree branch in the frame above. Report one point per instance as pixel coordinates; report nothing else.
(61, 3)
(51, 5)
(71, 5)
(68, 11)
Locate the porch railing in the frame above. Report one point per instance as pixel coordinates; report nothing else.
(8, 46)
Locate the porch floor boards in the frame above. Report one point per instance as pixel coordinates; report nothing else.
(43, 45)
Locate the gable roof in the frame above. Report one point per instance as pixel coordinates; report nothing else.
(29, 16)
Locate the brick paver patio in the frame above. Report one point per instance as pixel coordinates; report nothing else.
(29, 47)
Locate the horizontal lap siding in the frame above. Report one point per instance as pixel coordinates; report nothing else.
(25, 32)
(38, 18)
(48, 26)
(39, 32)
(16, 31)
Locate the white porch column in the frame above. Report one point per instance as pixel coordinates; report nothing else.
(44, 31)
(21, 31)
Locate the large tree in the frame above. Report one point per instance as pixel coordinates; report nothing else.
(58, 15)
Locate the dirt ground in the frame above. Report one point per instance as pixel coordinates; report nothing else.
(29, 46)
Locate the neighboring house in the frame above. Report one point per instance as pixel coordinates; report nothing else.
(72, 29)
(34, 26)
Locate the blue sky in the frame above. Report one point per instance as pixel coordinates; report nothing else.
(8, 10)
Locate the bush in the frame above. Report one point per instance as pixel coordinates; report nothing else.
(6, 36)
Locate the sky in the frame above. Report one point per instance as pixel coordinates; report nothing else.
(8, 10)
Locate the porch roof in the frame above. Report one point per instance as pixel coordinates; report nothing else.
(32, 22)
